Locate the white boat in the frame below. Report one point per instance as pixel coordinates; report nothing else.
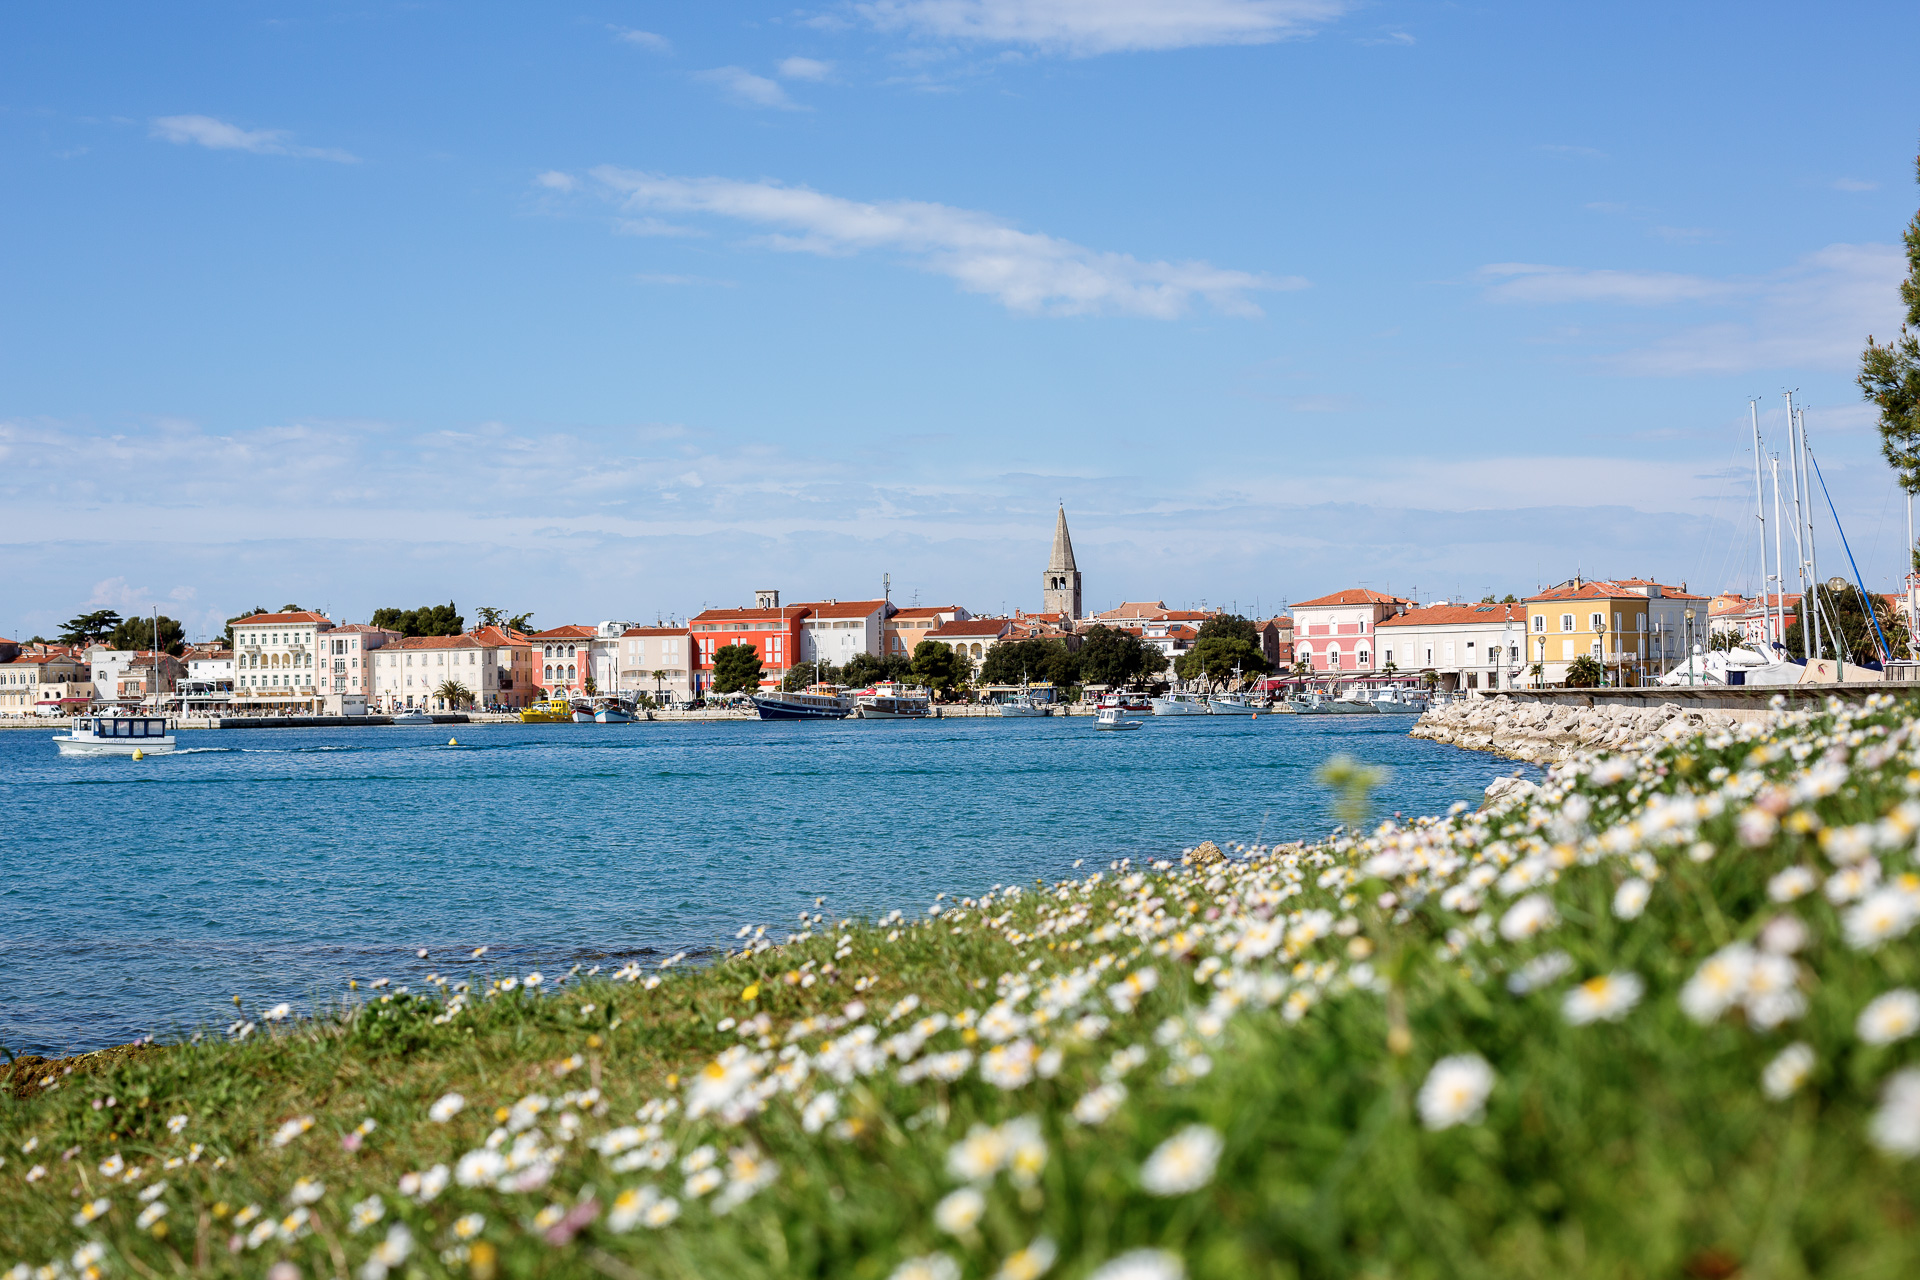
(119, 735)
(1319, 704)
(1179, 704)
(819, 702)
(1022, 704)
(891, 700)
(1396, 702)
(412, 717)
(1109, 718)
(613, 714)
(1231, 704)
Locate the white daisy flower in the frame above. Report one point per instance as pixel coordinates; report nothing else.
(1630, 899)
(1794, 882)
(1607, 998)
(1029, 1263)
(933, 1266)
(1185, 1162)
(959, 1212)
(1143, 1264)
(1893, 1016)
(446, 1108)
(1895, 1127)
(1455, 1091)
(1719, 983)
(1533, 914)
(1099, 1103)
(1881, 915)
(1787, 1072)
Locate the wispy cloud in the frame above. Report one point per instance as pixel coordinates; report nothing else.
(1087, 27)
(1023, 270)
(1815, 314)
(554, 180)
(218, 135)
(645, 39)
(1854, 184)
(805, 69)
(1532, 282)
(747, 88)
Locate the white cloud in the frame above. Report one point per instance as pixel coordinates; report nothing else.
(554, 180)
(1813, 315)
(747, 88)
(1023, 270)
(654, 227)
(645, 39)
(1531, 282)
(218, 135)
(805, 69)
(1085, 27)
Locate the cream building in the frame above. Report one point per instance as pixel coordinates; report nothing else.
(276, 661)
(1466, 646)
(647, 650)
(44, 685)
(410, 673)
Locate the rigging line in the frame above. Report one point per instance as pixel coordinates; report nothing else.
(1717, 524)
(1866, 601)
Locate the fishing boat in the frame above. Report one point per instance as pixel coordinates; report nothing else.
(1178, 704)
(1397, 702)
(1126, 701)
(1231, 704)
(612, 713)
(1109, 718)
(1319, 704)
(891, 700)
(818, 702)
(547, 711)
(1022, 704)
(119, 735)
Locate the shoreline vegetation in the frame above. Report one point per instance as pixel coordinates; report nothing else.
(1656, 1015)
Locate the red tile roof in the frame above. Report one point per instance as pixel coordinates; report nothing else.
(436, 642)
(1442, 615)
(499, 635)
(919, 611)
(785, 613)
(844, 609)
(1130, 609)
(1611, 589)
(276, 619)
(972, 628)
(575, 631)
(1352, 595)
(653, 631)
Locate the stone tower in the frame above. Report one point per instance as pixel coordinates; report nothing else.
(1060, 586)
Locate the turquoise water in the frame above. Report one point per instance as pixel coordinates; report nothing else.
(276, 863)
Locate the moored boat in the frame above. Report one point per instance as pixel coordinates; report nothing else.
(120, 735)
(1231, 704)
(1179, 704)
(613, 713)
(412, 717)
(1022, 704)
(819, 702)
(548, 711)
(891, 700)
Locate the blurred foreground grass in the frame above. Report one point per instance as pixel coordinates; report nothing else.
(1653, 1018)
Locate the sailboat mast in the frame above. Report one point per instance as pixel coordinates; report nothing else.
(1827, 639)
(1759, 514)
(1779, 599)
(1808, 633)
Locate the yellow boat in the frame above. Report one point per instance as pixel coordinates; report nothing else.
(552, 711)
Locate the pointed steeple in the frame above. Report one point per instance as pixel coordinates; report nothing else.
(1062, 544)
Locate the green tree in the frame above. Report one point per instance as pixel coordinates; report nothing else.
(1153, 662)
(864, 669)
(1585, 672)
(89, 627)
(937, 667)
(428, 620)
(520, 622)
(490, 616)
(137, 633)
(253, 612)
(658, 678)
(1225, 641)
(1890, 374)
(589, 686)
(1038, 658)
(1845, 610)
(455, 694)
(1112, 656)
(736, 669)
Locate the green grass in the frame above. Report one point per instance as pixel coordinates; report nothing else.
(1643, 1146)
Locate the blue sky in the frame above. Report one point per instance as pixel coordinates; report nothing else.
(625, 309)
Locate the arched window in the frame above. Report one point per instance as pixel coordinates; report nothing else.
(1361, 660)
(1333, 657)
(569, 671)
(549, 672)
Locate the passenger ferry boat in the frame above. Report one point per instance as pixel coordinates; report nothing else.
(891, 700)
(120, 735)
(819, 702)
(551, 711)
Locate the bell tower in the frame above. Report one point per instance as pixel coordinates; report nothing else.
(1060, 584)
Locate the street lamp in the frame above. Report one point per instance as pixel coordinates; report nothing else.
(1600, 629)
(1693, 650)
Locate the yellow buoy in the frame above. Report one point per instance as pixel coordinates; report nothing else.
(138, 754)
(453, 742)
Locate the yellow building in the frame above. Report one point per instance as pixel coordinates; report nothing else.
(1635, 628)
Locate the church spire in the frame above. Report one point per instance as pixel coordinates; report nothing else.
(1062, 543)
(1060, 584)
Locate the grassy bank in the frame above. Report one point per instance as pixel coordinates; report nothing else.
(1655, 1018)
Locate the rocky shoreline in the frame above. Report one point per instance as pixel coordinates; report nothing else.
(1540, 733)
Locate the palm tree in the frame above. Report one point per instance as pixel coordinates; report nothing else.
(453, 693)
(658, 676)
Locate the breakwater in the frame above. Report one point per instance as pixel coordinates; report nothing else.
(1542, 732)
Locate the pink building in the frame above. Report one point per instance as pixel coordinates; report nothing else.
(1333, 635)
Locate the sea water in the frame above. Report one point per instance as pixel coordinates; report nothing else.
(138, 897)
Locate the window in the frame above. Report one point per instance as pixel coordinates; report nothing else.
(1598, 620)
(1361, 660)
(1596, 648)
(1387, 656)
(1566, 622)
(1539, 622)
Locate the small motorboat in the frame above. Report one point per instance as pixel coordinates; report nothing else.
(613, 713)
(1109, 718)
(412, 717)
(120, 735)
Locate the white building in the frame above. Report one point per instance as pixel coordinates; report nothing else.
(276, 661)
(833, 631)
(645, 651)
(347, 684)
(410, 673)
(1467, 646)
